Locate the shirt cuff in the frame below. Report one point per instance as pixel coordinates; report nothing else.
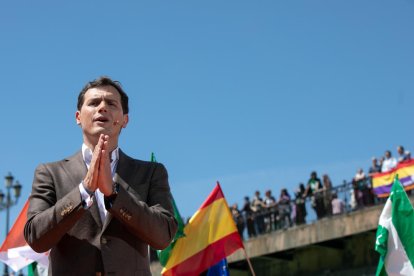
(87, 199)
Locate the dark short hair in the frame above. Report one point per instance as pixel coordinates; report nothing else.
(104, 81)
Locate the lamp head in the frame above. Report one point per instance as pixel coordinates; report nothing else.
(17, 189)
(9, 180)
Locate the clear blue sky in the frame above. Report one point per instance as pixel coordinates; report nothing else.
(255, 94)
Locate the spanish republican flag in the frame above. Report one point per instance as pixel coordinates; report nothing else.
(210, 236)
(382, 182)
(14, 251)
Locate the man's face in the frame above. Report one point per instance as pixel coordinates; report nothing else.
(101, 113)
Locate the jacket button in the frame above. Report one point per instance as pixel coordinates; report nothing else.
(103, 241)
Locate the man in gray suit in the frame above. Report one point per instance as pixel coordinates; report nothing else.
(99, 209)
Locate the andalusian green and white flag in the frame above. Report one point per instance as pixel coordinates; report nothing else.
(395, 234)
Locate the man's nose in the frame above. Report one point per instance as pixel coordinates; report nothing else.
(102, 106)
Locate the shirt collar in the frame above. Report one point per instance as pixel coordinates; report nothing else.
(87, 155)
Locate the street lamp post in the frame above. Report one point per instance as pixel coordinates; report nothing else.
(9, 202)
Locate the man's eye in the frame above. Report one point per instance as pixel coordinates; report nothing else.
(93, 103)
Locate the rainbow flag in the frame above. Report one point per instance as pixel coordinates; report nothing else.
(382, 182)
(210, 236)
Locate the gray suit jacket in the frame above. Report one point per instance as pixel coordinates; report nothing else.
(141, 215)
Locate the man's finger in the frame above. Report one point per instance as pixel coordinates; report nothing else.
(92, 176)
(98, 146)
(97, 151)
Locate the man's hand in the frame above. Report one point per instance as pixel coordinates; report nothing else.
(90, 183)
(105, 182)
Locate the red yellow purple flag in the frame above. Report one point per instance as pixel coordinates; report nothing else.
(382, 182)
(210, 236)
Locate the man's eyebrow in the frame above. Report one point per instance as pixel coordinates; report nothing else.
(99, 97)
(90, 99)
(112, 101)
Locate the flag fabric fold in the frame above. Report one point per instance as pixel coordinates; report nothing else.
(382, 182)
(395, 234)
(210, 236)
(164, 255)
(14, 251)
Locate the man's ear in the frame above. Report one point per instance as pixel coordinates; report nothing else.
(77, 116)
(126, 120)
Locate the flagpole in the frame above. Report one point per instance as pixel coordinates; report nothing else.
(244, 250)
(248, 261)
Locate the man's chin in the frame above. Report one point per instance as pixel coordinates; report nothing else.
(104, 131)
(94, 133)
(98, 131)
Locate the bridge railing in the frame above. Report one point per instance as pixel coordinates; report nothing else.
(351, 196)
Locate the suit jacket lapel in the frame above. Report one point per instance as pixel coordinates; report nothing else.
(76, 170)
(120, 173)
(123, 170)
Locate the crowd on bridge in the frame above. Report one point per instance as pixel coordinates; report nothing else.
(260, 215)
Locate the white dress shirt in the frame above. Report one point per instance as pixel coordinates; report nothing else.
(88, 199)
(389, 164)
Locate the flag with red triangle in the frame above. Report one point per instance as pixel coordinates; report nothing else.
(15, 252)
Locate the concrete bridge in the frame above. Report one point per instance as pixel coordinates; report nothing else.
(337, 245)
